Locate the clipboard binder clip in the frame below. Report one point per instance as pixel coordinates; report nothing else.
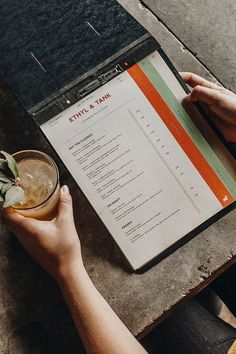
(104, 78)
(88, 89)
(100, 80)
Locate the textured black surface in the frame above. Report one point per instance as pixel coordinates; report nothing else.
(56, 32)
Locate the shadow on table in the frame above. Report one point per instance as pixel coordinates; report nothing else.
(35, 318)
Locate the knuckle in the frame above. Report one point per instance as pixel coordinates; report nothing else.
(197, 89)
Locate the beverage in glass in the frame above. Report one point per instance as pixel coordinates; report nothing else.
(39, 177)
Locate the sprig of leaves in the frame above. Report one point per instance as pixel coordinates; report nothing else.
(10, 191)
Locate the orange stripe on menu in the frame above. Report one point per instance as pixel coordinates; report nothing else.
(181, 136)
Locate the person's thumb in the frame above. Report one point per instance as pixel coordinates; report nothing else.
(65, 208)
(205, 95)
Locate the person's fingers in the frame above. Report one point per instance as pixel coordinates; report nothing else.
(227, 129)
(15, 222)
(13, 218)
(205, 95)
(65, 208)
(194, 80)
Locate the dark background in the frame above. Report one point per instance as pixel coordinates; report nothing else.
(57, 33)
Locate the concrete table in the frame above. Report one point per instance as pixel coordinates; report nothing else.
(207, 29)
(33, 316)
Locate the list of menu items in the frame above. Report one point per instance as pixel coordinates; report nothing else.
(140, 182)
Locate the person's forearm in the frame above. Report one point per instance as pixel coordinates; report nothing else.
(101, 330)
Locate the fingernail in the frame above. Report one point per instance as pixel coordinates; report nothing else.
(65, 189)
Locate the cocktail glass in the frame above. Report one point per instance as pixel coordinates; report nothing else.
(39, 177)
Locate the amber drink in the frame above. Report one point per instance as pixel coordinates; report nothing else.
(39, 178)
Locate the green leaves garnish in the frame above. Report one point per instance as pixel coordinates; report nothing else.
(6, 187)
(11, 163)
(14, 195)
(5, 179)
(10, 191)
(4, 168)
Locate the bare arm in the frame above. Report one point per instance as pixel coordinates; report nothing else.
(55, 246)
(101, 330)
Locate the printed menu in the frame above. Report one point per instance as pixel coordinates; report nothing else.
(142, 162)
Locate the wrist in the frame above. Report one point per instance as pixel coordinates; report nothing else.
(66, 271)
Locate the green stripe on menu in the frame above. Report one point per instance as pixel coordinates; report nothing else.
(184, 119)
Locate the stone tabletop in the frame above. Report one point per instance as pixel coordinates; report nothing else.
(33, 317)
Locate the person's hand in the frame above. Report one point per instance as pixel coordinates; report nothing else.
(219, 100)
(55, 244)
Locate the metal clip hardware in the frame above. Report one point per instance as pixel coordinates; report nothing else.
(88, 89)
(110, 74)
(100, 80)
